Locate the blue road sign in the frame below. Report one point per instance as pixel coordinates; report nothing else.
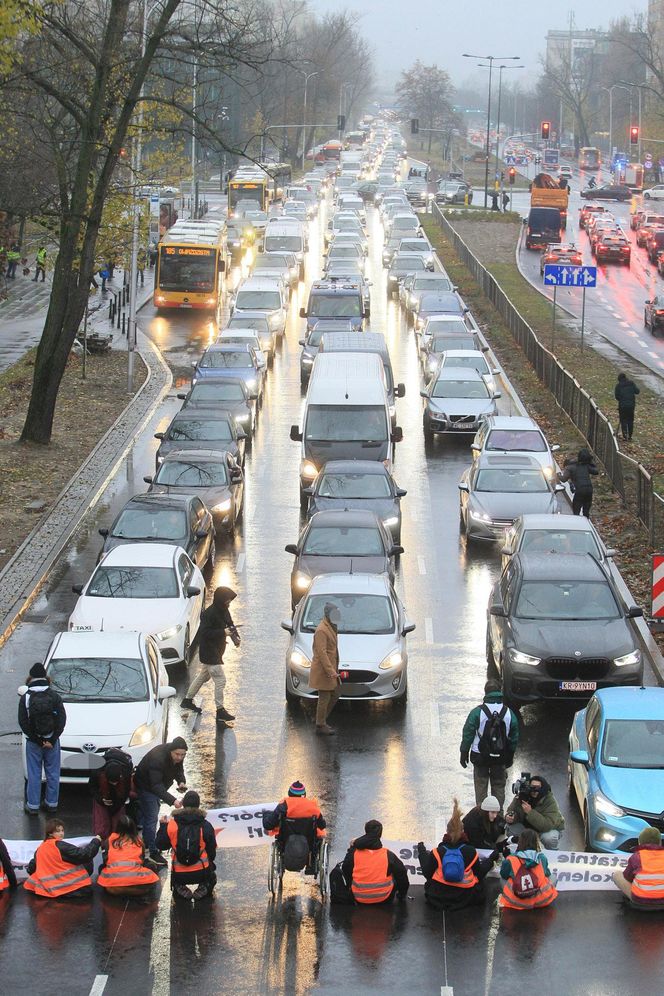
(516, 160)
(561, 275)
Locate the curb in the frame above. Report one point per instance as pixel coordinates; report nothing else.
(72, 506)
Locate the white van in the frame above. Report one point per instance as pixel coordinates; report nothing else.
(286, 236)
(262, 294)
(346, 414)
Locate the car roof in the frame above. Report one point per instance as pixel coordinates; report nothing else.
(349, 517)
(517, 422)
(196, 456)
(142, 555)
(230, 347)
(459, 373)
(569, 523)
(209, 413)
(354, 467)
(562, 567)
(446, 318)
(161, 501)
(368, 584)
(511, 461)
(258, 283)
(124, 643)
(631, 703)
(451, 354)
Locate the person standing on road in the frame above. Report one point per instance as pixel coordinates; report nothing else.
(215, 621)
(324, 675)
(578, 472)
(453, 870)
(155, 774)
(42, 718)
(40, 265)
(59, 868)
(642, 879)
(536, 808)
(625, 394)
(490, 738)
(191, 839)
(506, 200)
(13, 257)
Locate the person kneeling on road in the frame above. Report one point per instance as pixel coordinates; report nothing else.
(534, 807)
(369, 874)
(453, 870)
(124, 872)
(190, 837)
(490, 738)
(59, 868)
(484, 826)
(642, 880)
(216, 620)
(292, 823)
(529, 884)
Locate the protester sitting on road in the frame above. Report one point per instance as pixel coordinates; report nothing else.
(490, 738)
(369, 874)
(642, 879)
(110, 787)
(155, 774)
(7, 873)
(453, 870)
(59, 868)
(484, 826)
(292, 823)
(528, 882)
(42, 718)
(124, 872)
(535, 807)
(191, 839)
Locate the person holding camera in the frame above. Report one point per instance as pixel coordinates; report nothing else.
(484, 825)
(489, 740)
(534, 807)
(529, 884)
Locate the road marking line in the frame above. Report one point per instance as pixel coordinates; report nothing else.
(446, 991)
(98, 985)
(625, 325)
(655, 356)
(428, 630)
(241, 562)
(434, 715)
(642, 343)
(421, 564)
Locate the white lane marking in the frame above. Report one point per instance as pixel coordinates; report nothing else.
(241, 562)
(428, 630)
(98, 985)
(625, 325)
(421, 564)
(642, 343)
(446, 991)
(655, 356)
(435, 719)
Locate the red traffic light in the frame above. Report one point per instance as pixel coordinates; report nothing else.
(634, 135)
(511, 173)
(545, 129)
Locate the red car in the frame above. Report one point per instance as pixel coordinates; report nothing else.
(587, 210)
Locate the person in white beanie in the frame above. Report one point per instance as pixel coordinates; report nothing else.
(484, 824)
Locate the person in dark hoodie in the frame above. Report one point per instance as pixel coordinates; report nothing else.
(579, 473)
(7, 873)
(625, 394)
(110, 787)
(191, 839)
(155, 774)
(369, 874)
(216, 620)
(484, 826)
(42, 718)
(453, 870)
(59, 868)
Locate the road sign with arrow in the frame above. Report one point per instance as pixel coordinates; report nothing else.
(561, 275)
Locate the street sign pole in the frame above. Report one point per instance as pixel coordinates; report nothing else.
(553, 318)
(583, 316)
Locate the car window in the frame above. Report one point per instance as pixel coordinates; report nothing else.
(341, 541)
(559, 541)
(592, 710)
(474, 389)
(213, 430)
(528, 440)
(508, 480)
(154, 667)
(592, 733)
(185, 570)
(202, 393)
(354, 486)
(150, 523)
(371, 614)
(567, 600)
(179, 474)
(99, 679)
(633, 743)
(507, 585)
(222, 361)
(132, 582)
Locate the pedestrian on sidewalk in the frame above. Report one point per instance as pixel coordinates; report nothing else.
(154, 776)
(40, 264)
(324, 674)
(578, 472)
(140, 266)
(42, 718)
(489, 740)
(13, 257)
(625, 394)
(506, 200)
(216, 620)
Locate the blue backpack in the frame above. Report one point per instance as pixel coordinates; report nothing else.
(454, 867)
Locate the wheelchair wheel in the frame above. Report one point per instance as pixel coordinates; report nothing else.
(275, 872)
(321, 871)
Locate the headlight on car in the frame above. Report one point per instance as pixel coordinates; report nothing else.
(480, 516)
(242, 418)
(308, 470)
(605, 807)
(302, 581)
(549, 472)
(168, 634)
(518, 657)
(634, 657)
(143, 735)
(299, 659)
(223, 506)
(395, 659)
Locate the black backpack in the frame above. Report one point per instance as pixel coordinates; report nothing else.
(188, 847)
(296, 852)
(42, 712)
(493, 743)
(121, 757)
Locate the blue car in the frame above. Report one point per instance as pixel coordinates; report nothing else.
(238, 360)
(616, 766)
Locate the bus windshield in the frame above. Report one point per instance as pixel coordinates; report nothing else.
(179, 271)
(249, 191)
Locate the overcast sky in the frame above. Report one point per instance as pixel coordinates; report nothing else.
(438, 32)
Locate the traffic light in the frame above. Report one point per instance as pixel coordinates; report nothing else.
(545, 129)
(341, 122)
(414, 126)
(511, 174)
(634, 135)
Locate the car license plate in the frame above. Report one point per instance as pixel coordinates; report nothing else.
(577, 686)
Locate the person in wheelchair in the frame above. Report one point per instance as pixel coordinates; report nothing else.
(298, 825)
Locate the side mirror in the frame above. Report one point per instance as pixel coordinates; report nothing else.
(634, 612)
(559, 487)
(424, 394)
(496, 396)
(241, 434)
(475, 448)
(192, 591)
(287, 624)
(397, 434)
(648, 302)
(291, 548)
(301, 342)
(555, 447)
(495, 371)
(497, 609)
(612, 553)
(580, 757)
(148, 480)
(166, 692)
(103, 532)
(506, 552)
(401, 492)
(182, 397)
(236, 476)
(194, 364)
(222, 268)
(400, 391)
(367, 313)
(463, 486)
(308, 491)
(485, 349)
(396, 551)
(77, 589)
(295, 433)
(303, 313)
(409, 627)
(160, 435)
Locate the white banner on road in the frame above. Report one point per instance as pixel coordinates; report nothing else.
(241, 826)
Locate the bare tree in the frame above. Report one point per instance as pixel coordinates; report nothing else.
(426, 92)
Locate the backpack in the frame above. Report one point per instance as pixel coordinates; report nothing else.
(524, 884)
(188, 847)
(454, 867)
(120, 757)
(296, 852)
(42, 710)
(493, 742)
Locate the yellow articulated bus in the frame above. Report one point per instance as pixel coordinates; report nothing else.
(191, 262)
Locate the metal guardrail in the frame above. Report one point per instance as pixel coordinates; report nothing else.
(629, 478)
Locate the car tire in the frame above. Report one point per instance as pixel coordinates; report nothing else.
(304, 501)
(428, 431)
(490, 659)
(587, 846)
(646, 196)
(186, 649)
(291, 700)
(402, 701)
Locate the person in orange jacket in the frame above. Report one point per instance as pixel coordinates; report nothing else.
(370, 874)
(296, 814)
(59, 868)
(124, 872)
(528, 883)
(7, 873)
(642, 880)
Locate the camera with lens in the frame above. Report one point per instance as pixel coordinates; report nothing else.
(521, 786)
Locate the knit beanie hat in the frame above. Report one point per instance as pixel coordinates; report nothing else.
(38, 670)
(650, 835)
(178, 743)
(490, 804)
(492, 686)
(191, 800)
(297, 789)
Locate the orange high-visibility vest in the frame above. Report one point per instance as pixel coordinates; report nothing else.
(299, 808)
(124, 866)
(200, 865)
(53, 876)
(648, 884)
(372, 883)
(469, 877)
(4, 881)
(547, 892)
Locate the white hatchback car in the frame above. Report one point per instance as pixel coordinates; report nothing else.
(115, 690)
(151, 587)
(373, 661)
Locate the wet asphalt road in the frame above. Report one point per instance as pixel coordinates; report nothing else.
(399, 766)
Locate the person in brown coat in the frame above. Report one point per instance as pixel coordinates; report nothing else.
(324, 676)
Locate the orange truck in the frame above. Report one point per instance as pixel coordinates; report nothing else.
(546, 192)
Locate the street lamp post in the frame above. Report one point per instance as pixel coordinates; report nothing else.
(490, 59)
(483, 65)
(307, 77)
(342, 101)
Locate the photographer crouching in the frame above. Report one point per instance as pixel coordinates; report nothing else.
(534, 807)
